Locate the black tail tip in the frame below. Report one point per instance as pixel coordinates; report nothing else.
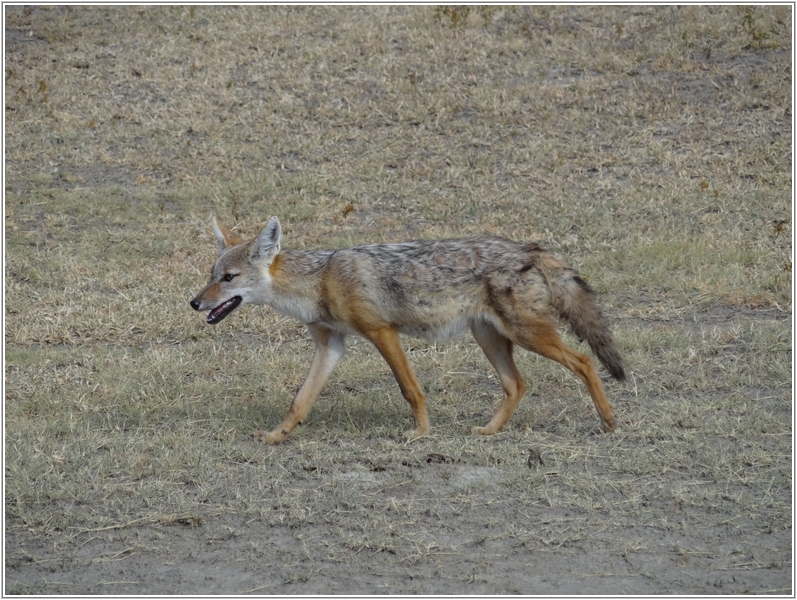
(617, 372)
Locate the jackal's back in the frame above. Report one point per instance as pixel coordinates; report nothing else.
(441, 266)
(434, 289)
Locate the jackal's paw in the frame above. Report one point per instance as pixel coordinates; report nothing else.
(482, 431)
(418, 432)
(610, 425)
(269, 437)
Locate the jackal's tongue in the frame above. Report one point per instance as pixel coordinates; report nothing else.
(222, 310)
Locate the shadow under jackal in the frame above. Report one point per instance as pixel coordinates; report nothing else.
(505, 292)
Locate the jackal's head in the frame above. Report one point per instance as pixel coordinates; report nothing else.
(240, 274)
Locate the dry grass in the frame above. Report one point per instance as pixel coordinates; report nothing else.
(649, 145)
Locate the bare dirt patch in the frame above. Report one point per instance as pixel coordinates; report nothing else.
(649, 145)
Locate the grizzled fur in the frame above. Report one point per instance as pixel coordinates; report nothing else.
(505, 292)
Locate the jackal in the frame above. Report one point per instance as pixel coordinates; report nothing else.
(505, 292)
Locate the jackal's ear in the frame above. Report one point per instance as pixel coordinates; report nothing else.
(267, 245)
(225, 237)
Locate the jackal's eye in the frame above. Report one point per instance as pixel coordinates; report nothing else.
(230, 276)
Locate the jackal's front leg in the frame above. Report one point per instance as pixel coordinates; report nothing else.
(329, 348)
(387, 342)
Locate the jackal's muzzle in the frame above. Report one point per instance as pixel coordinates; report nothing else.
(218, 313)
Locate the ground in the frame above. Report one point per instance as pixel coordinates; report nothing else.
(649, 146)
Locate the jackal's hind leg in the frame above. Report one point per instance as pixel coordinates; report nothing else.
(499, 352)
(543, 338)
(329, 348)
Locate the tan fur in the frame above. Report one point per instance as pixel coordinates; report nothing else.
(504, 292)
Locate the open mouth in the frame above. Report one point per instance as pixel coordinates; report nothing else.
(222, 310)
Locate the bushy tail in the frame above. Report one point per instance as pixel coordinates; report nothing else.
(577, 305)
